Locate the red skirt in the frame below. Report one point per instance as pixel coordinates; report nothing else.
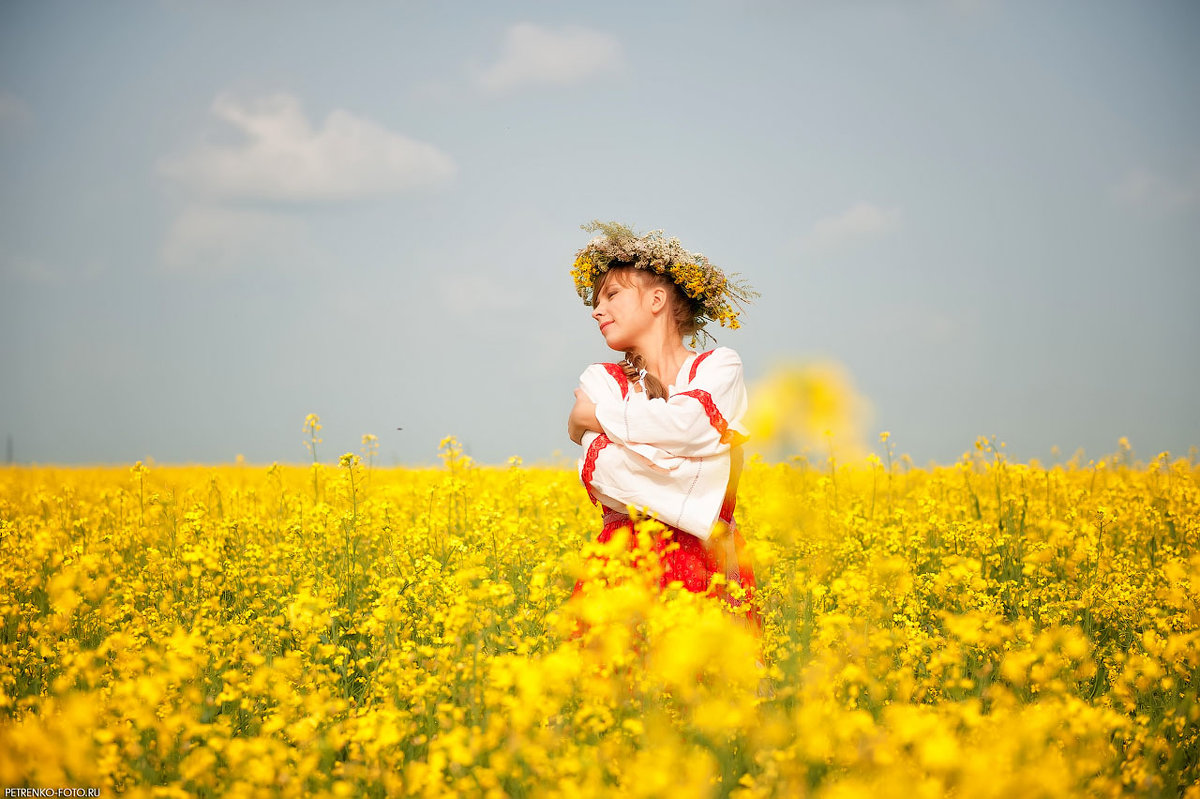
(684, 558)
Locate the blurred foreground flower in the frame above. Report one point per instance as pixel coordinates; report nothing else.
(805, 409)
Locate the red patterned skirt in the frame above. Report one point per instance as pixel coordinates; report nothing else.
(684, 558)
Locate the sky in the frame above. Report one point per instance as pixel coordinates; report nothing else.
(217, 217)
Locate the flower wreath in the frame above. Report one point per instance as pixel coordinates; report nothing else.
(718, 297)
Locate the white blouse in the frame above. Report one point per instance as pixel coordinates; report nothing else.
(670, 456)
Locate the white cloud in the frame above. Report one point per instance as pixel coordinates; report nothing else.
(534, 55)
(1142, 188)
(283, 157)
(861, 222)
(210, 239)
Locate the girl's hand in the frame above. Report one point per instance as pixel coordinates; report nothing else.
(582, 418)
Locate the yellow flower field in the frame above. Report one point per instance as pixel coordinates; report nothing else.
(982, 629)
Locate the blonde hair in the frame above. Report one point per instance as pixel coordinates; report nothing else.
(683, 310)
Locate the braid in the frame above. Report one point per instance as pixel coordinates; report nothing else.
(634, 367)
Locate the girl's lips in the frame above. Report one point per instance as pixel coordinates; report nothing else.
(606, 324)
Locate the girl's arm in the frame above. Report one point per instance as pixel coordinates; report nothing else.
(596, 383)
(686, 492)
(704, 419)
(688, 496)
(601, 382)
(582, 417)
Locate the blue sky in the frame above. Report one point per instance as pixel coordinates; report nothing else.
(216, 218)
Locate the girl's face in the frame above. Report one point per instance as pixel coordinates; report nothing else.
(623, 310)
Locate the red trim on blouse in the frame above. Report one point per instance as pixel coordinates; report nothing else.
(696, 364)
(714, 416)
(589, 464)
(617, 373)
(726, 514)
(736, 439)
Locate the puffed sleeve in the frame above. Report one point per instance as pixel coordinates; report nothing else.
(688, 496)
(705, 419)
(603, 381)
(606, 382)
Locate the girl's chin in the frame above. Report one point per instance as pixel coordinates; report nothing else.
(615, 345)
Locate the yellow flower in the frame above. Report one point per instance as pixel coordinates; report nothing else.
(974, 629)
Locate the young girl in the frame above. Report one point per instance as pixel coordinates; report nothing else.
(662, 430)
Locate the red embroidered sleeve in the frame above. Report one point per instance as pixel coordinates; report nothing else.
(589, 464)
(714, 415)
(696, 364)
(617, 373)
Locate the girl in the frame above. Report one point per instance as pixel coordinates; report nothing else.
(662, 430)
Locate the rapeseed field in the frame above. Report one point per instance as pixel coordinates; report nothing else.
(986, 629)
